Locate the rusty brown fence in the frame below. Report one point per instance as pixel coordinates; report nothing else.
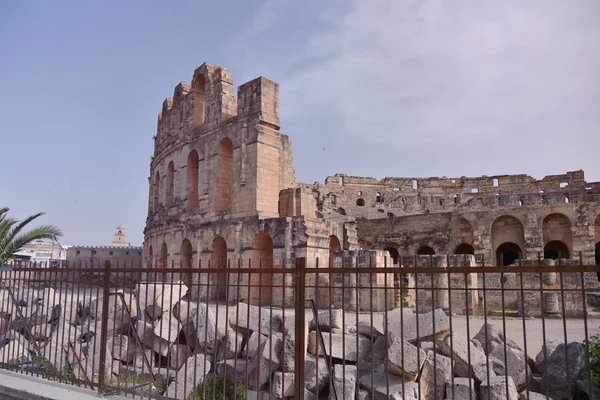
(427, 327)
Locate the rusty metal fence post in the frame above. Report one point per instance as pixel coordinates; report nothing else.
(300, 342)
(104, 328)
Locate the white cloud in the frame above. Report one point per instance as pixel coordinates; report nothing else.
(498, 82)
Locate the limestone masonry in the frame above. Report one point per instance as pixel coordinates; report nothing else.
(222, 189)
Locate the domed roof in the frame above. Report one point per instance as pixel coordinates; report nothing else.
(120, 227)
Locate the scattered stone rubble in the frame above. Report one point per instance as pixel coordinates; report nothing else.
(160, 333)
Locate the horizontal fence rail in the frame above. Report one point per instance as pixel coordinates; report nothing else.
(424, 328)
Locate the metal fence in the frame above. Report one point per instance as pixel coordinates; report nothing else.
(343, 329)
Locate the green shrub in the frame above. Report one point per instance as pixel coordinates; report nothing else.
(588, 385)
(212, 388)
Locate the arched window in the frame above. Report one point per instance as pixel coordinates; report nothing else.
(555, 250)
(156, 191)
(225, 175)
(378, 198)
(360, 202)
(394, 256)
(199, 90)
(192, 179)
(150, 260)
(557, 234)
(464, 249)
(170, 183)
(186, 254)
(507, 229)
(507, 253)
(219, 260)
(425, 251)
(260, 290)
(334, 245)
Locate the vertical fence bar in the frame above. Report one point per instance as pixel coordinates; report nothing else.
(300, 297)
(104, 328)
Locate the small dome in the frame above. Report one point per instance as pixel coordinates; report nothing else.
(120, 227)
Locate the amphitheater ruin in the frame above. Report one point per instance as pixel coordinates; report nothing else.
(223, 189)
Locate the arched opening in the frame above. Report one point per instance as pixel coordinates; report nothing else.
(219, 260)
(192, 179)
(199, 100)
(156, 191)
(378, 198)
(341, 211)
(186, 254)
(425, 251)
(260, 291)
(464, 249)
(162, 261)
(225, 175)
(556, 249)
(556, 230)
(334, 245)
(360, 202)
(507, 253)
(170, 183)
(507, 229)
(150, 260)
(394, 256)
(461, 232)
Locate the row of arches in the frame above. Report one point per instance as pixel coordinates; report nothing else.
(223, 176)
(262, 256)
(508, 239)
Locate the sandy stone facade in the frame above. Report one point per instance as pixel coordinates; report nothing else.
(223, 194)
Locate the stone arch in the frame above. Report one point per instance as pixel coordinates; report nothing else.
(170, 183)
(334, 245)
(219, 260)
(507, 253)
(461, 232)
(597, 255)
(425, 251)
(360, 202)
(199, 96)
(192, 170)
(394, 256)
(162, 261)
(464, 248)
(225, 175)
(186, 260)
(150, 260)
(260, 290)
(555, 250)
(156, 201)
(507, 229)
(557, 228)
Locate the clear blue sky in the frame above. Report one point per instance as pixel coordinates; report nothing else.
(377, 88)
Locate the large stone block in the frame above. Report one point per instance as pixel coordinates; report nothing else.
(498, 388)
(516, 365)
(351, 348)
(469, 360)
(563, 369)
(316, 374)
(461, 389)
(383, 387)
(344, 382)
(402, 323)
(437, 369)
(189, 376)
(495, 337)
(541, 360)
(282, 385)
(199, 324)
(327, 320)
(405, 359)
